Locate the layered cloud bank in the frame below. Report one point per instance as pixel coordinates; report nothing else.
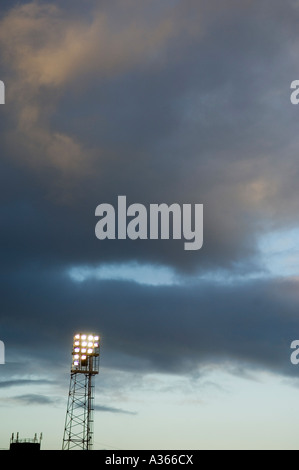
(163, 102)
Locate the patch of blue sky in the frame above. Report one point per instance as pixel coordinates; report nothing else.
(134, 272)
(280, 252)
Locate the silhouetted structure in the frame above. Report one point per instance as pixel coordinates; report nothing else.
(20, 445)
(78, 430)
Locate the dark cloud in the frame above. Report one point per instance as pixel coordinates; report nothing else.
(109, 409)
(154, 329)
(163, 102)
(21, 382)
(34, 399)
(204, 118)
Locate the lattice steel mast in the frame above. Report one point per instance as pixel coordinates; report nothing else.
(78, 430)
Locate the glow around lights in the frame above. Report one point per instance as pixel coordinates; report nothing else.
(84, 346)
(85, 354)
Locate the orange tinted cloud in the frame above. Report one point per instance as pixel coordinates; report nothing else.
(45, 49)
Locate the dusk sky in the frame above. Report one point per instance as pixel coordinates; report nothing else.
(162, 101)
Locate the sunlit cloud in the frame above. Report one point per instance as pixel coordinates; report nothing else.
(45, 49)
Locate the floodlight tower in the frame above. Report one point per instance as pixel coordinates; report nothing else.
(78, 430)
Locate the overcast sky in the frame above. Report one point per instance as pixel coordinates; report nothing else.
(164, 102)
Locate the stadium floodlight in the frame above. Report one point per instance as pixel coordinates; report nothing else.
(78, 431)
(85, 353)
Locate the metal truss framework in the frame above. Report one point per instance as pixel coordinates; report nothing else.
(78, 430)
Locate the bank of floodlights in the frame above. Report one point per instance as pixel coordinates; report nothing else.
(85, 354)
